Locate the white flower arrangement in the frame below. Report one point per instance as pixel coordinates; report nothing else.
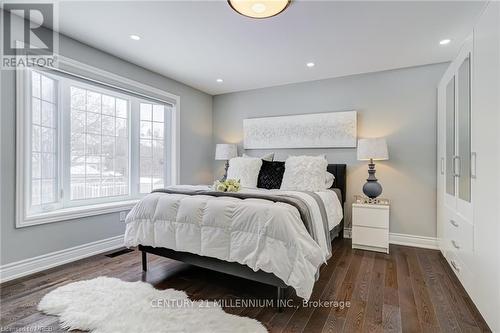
(228, 185)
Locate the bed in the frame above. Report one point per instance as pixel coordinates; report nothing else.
(289, 256)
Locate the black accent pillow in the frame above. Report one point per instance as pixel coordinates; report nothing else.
(271, 174)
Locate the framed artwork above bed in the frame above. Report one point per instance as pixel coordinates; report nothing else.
(314, 130)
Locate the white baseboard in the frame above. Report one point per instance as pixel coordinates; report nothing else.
(25, 267)
(415, 241)
(33, 265)
(407, 240)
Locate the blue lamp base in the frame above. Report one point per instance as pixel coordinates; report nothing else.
(372, 187)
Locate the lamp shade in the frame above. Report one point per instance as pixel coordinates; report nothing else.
(225, 151)
(375, 149)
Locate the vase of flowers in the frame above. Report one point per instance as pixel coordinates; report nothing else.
(228, 185)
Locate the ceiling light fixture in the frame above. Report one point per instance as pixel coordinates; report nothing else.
(310, 64)
(259, 9)
(444, 42)
(219, 80)
(135, 37)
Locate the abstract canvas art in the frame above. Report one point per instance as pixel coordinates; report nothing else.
(316, 130)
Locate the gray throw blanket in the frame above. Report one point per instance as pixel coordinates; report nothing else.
(302, 207)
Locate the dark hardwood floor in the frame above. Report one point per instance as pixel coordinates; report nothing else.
(409, 290)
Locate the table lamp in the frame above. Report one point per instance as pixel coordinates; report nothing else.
(225, 152)
(372, 150)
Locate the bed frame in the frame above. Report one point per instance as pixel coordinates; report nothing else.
(236, 269)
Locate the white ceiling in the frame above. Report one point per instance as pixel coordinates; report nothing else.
(196, 42)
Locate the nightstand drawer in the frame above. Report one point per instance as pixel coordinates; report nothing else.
(370, 216)
(367, 236)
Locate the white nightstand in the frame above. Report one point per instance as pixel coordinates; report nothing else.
(370, 227)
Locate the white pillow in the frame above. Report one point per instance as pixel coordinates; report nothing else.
(267, 157)
(329, 180)
(304, 173)
(246, 169)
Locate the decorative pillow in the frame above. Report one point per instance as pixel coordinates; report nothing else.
(271, 174)
(246, 169)
(304, 173)
(329, 180)
(266, 157)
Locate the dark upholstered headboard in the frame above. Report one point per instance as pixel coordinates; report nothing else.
(339, 171)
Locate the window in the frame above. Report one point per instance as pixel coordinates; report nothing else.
(43, 146)
(83, 144)
(151, 169)
(99, 145)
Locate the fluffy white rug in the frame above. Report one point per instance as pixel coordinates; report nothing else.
(109, 305)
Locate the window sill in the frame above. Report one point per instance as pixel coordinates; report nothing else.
(75, 213)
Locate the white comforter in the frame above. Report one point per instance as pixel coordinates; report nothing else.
(259, 233)
(332, 203)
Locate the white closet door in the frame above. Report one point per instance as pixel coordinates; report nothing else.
(463, 135)
(486, 184)
(456, 88)
(450, 144)
(455, 200)
(441, 172)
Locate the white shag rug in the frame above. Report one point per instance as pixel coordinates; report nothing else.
(110, 305)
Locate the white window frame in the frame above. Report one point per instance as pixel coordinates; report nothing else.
(66, 160)
(28, 134)
(125, 85)
(166, 140)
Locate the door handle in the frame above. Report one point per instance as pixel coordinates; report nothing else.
(455, 245)
(455, 266)
(442, 165)
(456, 166)
(454, 223)
(473, 161)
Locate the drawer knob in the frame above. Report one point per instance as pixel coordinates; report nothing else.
(455, 245)
(454, 223)
(455, 266)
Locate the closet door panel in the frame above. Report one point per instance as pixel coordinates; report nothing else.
(441, 138)
(462, 161)
(450, 143)
(486, 184)
(464, 136)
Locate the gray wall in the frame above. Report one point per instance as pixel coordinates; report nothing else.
(196, 158)
(397, 104)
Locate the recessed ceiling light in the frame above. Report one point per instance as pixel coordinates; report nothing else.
(135, 37)
(259, 8)
(310, 64)
(219, 80)
(445, 41)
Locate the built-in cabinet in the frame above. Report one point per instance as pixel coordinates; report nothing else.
(468, 195)
(456, 158)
